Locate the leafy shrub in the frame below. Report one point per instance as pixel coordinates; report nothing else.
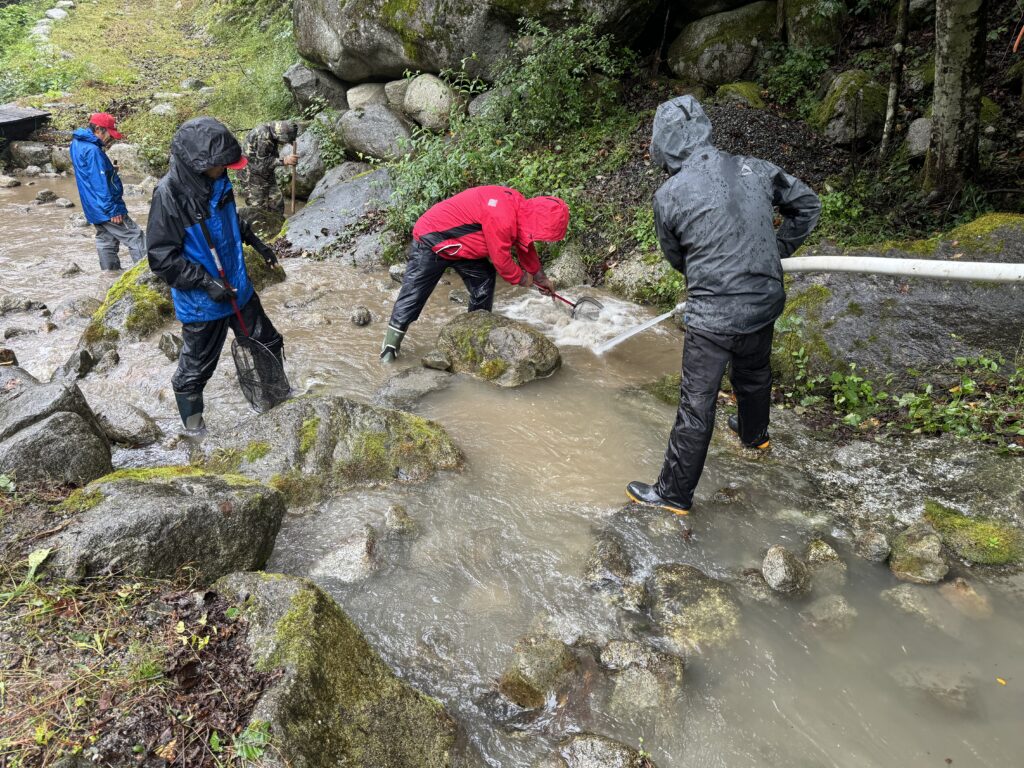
(792, 75)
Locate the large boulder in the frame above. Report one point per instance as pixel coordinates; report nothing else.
(853, 110)
(366, 95)
(138, 304)
(329, 224)
(152, 522)
(430, 101)
(692, 609)
(48, 434)
(360, 40)
(310, 168)
(26, 153)
(312, 446)
(813, 24)
(496, 349)
(129, 160)
(406, 388)
(312, 86)
(721, 48)
(126, 424)
(333, 700)
(375, 131)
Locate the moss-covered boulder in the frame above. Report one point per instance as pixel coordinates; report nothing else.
(333, 701)
(853, 110)
(722, 48)
(540, 667)
(744, 93)
(977, 539)
(645, 278)
(691, 609)
(813, 24)
(496, 349)
(135, 306)
(311, 446)
(154, 522)
(917, 555)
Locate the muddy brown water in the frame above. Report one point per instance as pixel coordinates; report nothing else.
(504, 542)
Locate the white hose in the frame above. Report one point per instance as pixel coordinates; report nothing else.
(928, 268)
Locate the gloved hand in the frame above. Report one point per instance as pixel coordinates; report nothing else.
(543, 283)
(267, 253)
(526, 281)
(217, 289)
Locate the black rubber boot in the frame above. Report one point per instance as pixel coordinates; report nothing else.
(642, 493)
(190, 408)
(763, 443)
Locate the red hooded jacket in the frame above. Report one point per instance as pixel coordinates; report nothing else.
(506, 218)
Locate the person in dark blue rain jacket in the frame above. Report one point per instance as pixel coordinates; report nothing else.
(101, 192)
(193, 209)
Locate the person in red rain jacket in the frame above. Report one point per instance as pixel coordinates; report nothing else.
(477, 232)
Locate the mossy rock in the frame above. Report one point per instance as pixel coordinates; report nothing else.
(747, 94)
(496, 349)
(541, 667)
(977, 539)
(813, 24)
(260, 273)
(692, 609)
(853, 110)
(647, 279)
(798, 333)
(917, 555)
(721, 48)
(310, 447)
(665, 389)
(991, 113)
(138, 304)
(333, 701)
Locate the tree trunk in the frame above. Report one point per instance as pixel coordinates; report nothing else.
(959, 70)
(899, 48)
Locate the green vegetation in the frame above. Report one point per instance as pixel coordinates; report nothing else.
(979, 540)
(307, 434)
(229, 460)
(792, 75)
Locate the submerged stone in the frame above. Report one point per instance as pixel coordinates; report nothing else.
(692, 609)
(585, 750)
(541, 666)
(830, 613)
(608, 566)
(955, 690)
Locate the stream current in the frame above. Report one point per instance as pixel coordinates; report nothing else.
(504, 541)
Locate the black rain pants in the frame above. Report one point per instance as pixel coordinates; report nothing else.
(422, 274)
(705, 358)
(203, 342)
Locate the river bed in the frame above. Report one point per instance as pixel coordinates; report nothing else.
(504, 541)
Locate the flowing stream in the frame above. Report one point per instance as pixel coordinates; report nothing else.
(504, 541)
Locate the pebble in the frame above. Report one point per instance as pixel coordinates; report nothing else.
(361, 316)
(63, 202)
(45, 196)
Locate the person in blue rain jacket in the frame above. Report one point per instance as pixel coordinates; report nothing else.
(101, 192)
(196, 194)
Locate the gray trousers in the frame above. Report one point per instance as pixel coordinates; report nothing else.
(110, 236)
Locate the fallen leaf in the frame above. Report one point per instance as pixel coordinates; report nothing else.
(1000, 681)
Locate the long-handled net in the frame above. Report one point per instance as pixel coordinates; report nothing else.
(261, 375)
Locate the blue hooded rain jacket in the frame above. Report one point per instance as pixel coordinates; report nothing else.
(99, 186)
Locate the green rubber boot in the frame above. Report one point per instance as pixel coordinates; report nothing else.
(392, 344)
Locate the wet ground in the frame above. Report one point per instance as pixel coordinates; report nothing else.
(504, 542)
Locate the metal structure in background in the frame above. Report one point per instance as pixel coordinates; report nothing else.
(930, 269)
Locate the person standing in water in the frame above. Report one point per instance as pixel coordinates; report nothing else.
(715, 223)
(102, 193)
(193, 213)
(475, 233)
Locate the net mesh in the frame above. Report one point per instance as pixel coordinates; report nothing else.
(587, 308)
(261, 375)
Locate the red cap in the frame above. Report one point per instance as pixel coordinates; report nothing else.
(105, 120)
(239, 164)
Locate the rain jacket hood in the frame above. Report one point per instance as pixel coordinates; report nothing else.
(202, 143)
(543, 218)
(99, 186)
(680, 129)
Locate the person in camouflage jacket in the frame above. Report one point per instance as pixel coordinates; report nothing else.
(262, 146)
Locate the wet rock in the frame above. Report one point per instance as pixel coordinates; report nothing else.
(825, 567)
(853, 110)
(692, 609)
(10, 303)
(752, 587)
(458, 296)
(645, 679)
(63, 202)
(608, 566)
(310, 168)
(955, 690)
(917, 555)
(60, 159)
(978, 539)
(541, 666)
(397, 272)
(810, 24)
(309, 86)
(108, 361)
(79, 365)
(873, 546)
(45, 196)
(919, 137)
(28, 153)
(314, 446)
(78, 221)
(171, 345)
(75, 306)
(785, 572)
(375, 131)
(342, 199)
(721, 48)
(361, 316)
(7, 182)
(436, 360)
(585, 750)
(31, 171)
(633, 278)
(918, 602)
(830, 613)
(136, 305)
(125, 424)
(354, 560)
(7, 356)
(50, 436)
(129, 159)
(333, 701)
(496, 349)
(430, 101)
(405, 389)
(14, 331)
(153, 522)
(965, 597)
(398, 523)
